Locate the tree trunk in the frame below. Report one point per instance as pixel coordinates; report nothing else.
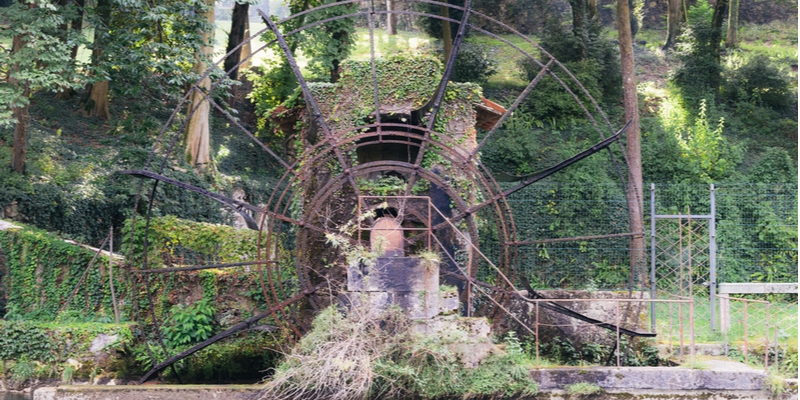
(634, 20)
(18, 146)
(578, 23)
(20, 133)
(246, 49)
(591, 10)
(633, 146)
(97, 105)
(235, 37)
(197, 129)
(674, 18)
(447, 38)
(391, 19)
(716, 22)
(733, 25)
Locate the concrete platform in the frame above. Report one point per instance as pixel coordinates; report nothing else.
(723, 380)
(147, 392)
(720, 375)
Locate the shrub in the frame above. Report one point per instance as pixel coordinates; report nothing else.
(368, 356)
(190, 324)
(599, 72)
(473, 64)
(759, 82)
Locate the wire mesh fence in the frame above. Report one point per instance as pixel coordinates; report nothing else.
(752, 225)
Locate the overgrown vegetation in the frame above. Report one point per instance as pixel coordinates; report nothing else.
(358, 356)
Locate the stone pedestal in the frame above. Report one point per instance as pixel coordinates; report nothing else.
(408, 282)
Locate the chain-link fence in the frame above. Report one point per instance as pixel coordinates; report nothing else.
(744, 232)
(548, 211)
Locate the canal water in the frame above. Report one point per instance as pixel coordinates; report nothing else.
(15, 396)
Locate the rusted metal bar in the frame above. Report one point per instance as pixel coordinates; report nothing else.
(691, 333)
(766, 345)
(616, 303)
(579, 238)
(83, 276)
(745, 331)
(510, 110)
(202, 267)
(111, 273)
(228, 332)
(537, 334)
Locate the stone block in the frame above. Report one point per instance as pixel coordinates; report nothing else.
(393, 274)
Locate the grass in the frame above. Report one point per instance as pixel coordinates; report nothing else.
(777, 40)
(583, 388)
(784, 315)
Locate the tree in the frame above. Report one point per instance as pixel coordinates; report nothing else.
(717, 19)
(674, 19)
(579, 21)
(633, 136)
(330, 43)
(97, 105)
(39, 60)
(246, 49)
(239, 19)
(197, 129)
(732, 39)
(391, 19)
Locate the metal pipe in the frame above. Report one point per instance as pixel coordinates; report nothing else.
(745, 331)
(712, 258)
(766, 346)
(618, 347)
(691, 333)
(652, 256)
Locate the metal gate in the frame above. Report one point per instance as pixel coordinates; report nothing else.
(683, 252)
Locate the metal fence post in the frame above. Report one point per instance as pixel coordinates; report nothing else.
(712, 257)
(652, 256)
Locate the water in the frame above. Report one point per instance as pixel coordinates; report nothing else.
(15, 396)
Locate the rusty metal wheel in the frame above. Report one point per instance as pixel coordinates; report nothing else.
(320, 190)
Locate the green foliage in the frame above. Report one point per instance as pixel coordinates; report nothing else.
(698, 77)
(610, 276)
(583, 388)
(191, 324)
(42, 272)
(150, 50)
(169, 235)
(357, 356)
(329, 44)
(54, 343)
(42, 63)
(474, 63)
(759, 82)
(598, 71)
(386, 185)
(702, 149)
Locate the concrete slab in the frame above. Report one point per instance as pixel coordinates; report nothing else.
(150, 392)
(722, 375)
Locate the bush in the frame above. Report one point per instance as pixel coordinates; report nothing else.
(368, 356)
(599, 72)
(473, 64)
(191, 324)
(760, 83)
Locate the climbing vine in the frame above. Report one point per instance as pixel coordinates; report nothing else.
(42, 271)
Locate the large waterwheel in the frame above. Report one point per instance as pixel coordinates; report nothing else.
(463, 215)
